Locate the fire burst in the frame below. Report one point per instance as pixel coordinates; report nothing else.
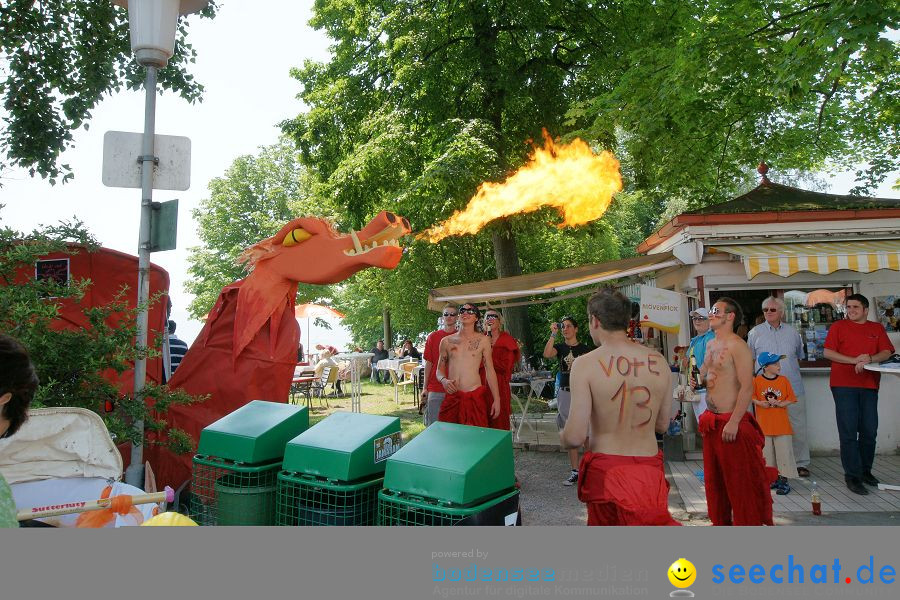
(568, 177)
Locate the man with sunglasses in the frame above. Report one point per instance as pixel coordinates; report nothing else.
(566, 352)
(461, 357)
(776, 337)
(734, 470)
(433, 391)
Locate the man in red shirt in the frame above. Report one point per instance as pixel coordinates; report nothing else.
(433, 392)
(851, 344)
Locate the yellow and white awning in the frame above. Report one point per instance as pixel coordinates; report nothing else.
(817, 257)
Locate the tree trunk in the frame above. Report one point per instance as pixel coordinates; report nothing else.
(388, 335)
(506, 257)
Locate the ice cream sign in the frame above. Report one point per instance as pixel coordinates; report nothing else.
(660, 309)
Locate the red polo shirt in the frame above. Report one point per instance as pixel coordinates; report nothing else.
(852, 339)
(432, 353)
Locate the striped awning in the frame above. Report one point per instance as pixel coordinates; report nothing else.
(817, 257)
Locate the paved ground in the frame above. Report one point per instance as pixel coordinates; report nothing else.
(545, 501)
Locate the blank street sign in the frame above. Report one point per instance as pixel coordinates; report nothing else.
(121, 150)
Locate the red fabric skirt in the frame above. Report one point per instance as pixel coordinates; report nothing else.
(734, 473)
(467, 408)
(624, 490)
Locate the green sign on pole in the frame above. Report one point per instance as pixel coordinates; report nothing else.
(163, 225)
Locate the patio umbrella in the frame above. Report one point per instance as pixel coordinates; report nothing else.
(309, 311)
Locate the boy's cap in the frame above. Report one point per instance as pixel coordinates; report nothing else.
(767, 358)
(700, 312)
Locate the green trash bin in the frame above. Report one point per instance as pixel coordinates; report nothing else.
(239, 456)
(448, 474)
(332, 472)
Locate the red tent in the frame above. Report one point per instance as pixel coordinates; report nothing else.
(109, 270)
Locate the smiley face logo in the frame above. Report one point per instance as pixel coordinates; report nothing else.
(682, 573)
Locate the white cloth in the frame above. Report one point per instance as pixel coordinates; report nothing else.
(58, 443)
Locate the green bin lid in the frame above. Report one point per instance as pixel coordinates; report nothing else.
(458, 464)
(344, 446)
(254, 433)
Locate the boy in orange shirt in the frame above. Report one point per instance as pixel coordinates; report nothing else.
(771, 396)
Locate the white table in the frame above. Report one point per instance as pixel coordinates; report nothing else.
(357, 361)
(535, 386)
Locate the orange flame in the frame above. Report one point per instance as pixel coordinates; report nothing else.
(568, 177)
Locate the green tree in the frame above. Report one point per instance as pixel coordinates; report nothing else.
(60, 57)
(255, 197)
(701, 91)
(73, 365)
(424, 101)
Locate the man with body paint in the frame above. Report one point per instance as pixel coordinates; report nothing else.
(462, 355)
(620, 394)
(734, 470)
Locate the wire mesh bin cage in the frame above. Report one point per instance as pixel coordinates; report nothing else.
(399, 510)
(303, 499)
(228, 493)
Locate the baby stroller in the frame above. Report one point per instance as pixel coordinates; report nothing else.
(65, 457)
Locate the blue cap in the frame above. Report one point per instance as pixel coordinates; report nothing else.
(767, 358)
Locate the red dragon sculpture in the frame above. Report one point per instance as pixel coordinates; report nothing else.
(248, 348)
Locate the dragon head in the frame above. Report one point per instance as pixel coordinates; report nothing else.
(310, 250)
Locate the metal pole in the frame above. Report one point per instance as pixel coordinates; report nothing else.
(134, 474)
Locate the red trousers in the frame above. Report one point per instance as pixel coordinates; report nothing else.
(624, 490)
(737, 484)
(467, 408)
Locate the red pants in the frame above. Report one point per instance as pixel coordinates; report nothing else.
(467, 408)
(624, 490)
(735, 472)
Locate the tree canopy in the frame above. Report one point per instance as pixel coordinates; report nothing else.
(255, 197)
(60, 57)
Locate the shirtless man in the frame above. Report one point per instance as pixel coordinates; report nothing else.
(734, 471)
(461, 356)
(621, 390)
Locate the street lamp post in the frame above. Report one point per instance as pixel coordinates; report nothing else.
(152, 27)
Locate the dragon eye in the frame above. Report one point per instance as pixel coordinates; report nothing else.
(296, 236)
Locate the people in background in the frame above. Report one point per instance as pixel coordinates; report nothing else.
(850, 345)
(696, 354)
(18, 383)
(380, 354)
(566, 352)
(505, 354)
(177, 347)
(772, 394)
(433, 392)
(407, 350)
(776, 337)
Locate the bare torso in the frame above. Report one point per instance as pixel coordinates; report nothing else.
(461, 357)
(630, 388)
(721, 377)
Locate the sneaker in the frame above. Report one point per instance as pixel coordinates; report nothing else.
(552, 404)
(783, 488)
(572, 479)
(870, 479)
(856, 486)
